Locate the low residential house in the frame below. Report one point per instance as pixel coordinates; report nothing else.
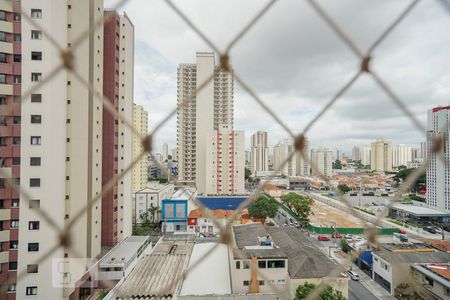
(174, 215)
(200, 224)
(151, 197)
(433, 280)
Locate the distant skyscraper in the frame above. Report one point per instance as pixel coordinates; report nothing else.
(225, 174)
(165, 152)
(281, 152)
(356, 154)
(423, 150)
(401, 155)
(175, 154)
(339, 154)
(212, 106)
(140, 169)
(381, 156)
(322, 162)
(365, 153)
(259, 152)
(438, 175)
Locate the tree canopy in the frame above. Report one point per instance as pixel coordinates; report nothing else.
(328, 293)
(248, 173)
(300, 205)
(344, 188)
(404, 173)
(263, 207)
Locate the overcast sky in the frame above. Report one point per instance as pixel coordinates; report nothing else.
(295, 63)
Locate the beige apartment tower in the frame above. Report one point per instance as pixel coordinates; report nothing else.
(140, 169)
(381, 156)
(199, 114)
(259, 153)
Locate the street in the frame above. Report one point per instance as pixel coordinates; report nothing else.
(357, 291)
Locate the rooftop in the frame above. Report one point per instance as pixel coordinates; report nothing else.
(221, 202)
(154, 274)
(183, 194)
(419, 210)
(218, 213)
(213, 265)
(304, 259)
(439, 244)
(438, 272)
(154, 187)
(124, 251)
(414, 257)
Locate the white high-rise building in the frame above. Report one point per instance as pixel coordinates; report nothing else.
(281, 152)
(259, 152)
(356, 154)
(401, 155)
(438, 175)
(225, 172)
(302, 167)
(339, 154)
(204, 111)
(165, 152)
(381, 156)
(322, 162)
(140, 169)
(365, 153)
(61, 154)
(175, 154)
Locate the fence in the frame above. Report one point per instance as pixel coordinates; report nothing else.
(299, 137)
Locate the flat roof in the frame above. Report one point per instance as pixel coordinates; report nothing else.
(433, 271)
(182, 194)
(414, 257)
(213, 267)
(153, 275)
(126, 249)
(221, 202)
(155, 188)
(419, 211)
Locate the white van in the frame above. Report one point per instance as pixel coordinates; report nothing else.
(353, 275)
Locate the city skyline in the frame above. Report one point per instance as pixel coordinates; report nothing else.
(306, 87)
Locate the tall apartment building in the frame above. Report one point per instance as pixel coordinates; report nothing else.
(356, 154)
(259, 154)
(61, 149)
(401, 155)
(206, 111)
(422, 151)
(140, 169)
(225, 172)
(118, 73)
(165, 152)
(281, 152)
(10, 140)
(438, 174)
(381, 156)
(365, 153)
(322, 162)
(175, 154)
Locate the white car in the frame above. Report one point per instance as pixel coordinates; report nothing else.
(348, 237)
(353, 275)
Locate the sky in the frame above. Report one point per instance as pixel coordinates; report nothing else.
(295, 63)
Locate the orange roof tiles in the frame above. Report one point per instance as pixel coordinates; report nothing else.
(440, 269)
(439, 244)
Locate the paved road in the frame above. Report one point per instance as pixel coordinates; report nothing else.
(356, 291)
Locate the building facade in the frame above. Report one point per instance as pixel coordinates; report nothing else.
(438, 174)
(149, 197)
(365, 153)
(259, 155)
(381, 156)
(140, 169)
(200, 114)
(401, 155)
(118, 64)
(281, 152)
(356, 154)
(322, 162)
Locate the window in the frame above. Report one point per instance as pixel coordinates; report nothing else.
(3, 57)
(16, 120)
(14, 223)
(36, 55)
(32, 268)
(261, 264)
(2, 120)
(13, 265)
(246, 264)
(17, 58)
(35, 182)
(3, 78)
(35, 161)
(281, 281)
(238, 264)
(36, 98)
(17, 37)
(2, 36)
(2, 15)
(246, 283)
(36, 13)
(31, 290)
(35, 203)
(33, 225)
(33, 247)
(36, 119)
(13, 245)
(261, 282)
(35, 140)
(35, 77)
(17, 79)
(3, 100)
(16, 140)
(15, 202)
(36, 34)
(275, 264)
(12, 287)
(2, 183)
(17, 17)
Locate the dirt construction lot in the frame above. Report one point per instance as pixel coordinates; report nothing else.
(328, 216)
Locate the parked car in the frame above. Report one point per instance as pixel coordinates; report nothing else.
(323, 238)
(353, 275)
(336, 235)
(430, 230)
(402, 231)
(291, 225)
(348, 237)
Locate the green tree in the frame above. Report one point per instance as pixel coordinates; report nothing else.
(337, 164)
(344, 246)
(404, 173)
(401, 292)
(248, 174)
(303, 209)
(328, 293)
(263, 207)
(344, 188)
(152, 211)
